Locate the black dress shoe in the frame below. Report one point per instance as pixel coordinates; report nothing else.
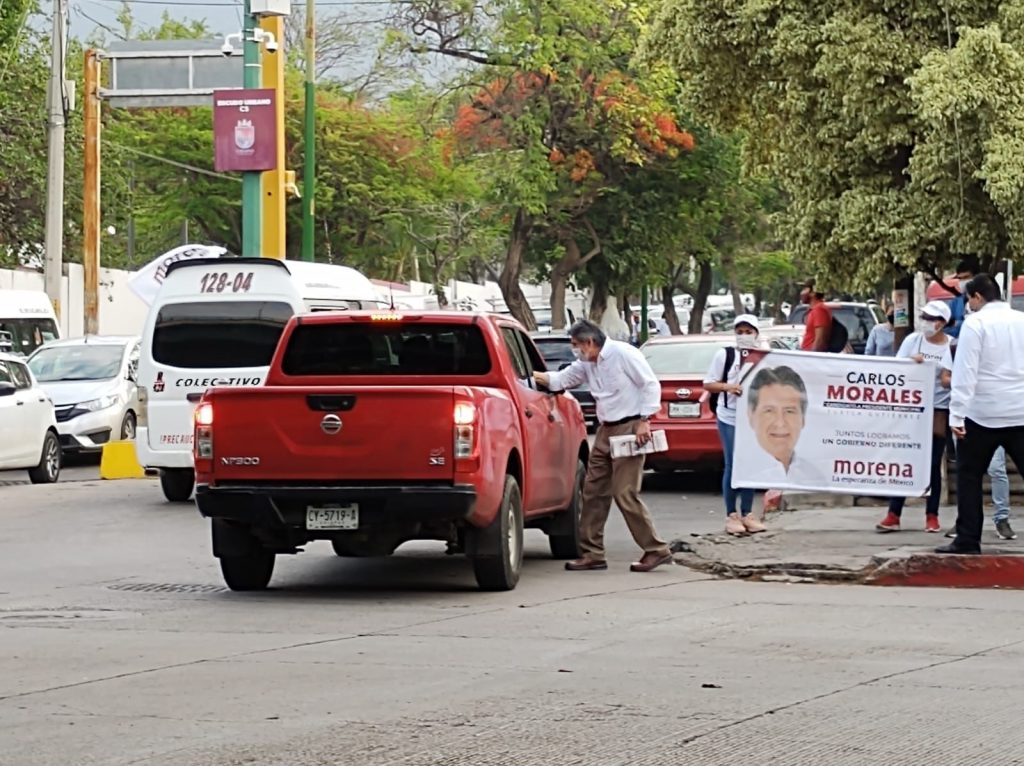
(959, 550)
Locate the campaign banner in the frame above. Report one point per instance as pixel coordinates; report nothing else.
(146, 282)
(834, 423)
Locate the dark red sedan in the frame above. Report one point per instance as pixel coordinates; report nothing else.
(681, 362)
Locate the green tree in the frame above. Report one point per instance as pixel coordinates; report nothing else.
(560, 115)
(894, 130)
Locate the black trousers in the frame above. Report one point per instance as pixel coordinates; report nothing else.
(973, 455)
(935, 488)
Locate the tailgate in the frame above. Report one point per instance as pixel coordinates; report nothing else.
(351, 434)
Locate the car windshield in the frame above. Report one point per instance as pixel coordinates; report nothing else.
(681, 358)
(84, 362)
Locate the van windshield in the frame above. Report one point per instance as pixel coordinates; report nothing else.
(26, 335)
(358, 348)
(219, 334)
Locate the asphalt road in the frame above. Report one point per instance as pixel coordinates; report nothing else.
(119, 645)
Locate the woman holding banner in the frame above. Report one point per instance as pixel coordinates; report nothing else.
(722, 382)
(929, 344)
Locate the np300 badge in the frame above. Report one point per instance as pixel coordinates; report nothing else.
(240, 460)
(330, 425)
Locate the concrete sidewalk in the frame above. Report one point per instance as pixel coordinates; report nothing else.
(841, 545)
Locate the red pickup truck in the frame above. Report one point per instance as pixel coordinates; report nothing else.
(376, 429)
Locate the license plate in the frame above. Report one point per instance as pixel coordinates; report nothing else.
(684, 409)
(332, 516)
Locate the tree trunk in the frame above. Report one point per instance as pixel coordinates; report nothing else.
(758, 300)
(558, 283)
(598, 299)
(572, 261)
(513, 268)
(671, 317)
(700, 300)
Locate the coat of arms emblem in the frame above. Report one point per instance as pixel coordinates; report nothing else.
(245, 134)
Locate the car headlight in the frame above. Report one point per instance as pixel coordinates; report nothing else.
(99, 404)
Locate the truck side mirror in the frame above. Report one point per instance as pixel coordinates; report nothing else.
(7, 389)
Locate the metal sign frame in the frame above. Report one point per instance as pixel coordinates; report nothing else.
(160, 52)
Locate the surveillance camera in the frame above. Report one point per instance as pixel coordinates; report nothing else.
(227, 49)
(271, 46)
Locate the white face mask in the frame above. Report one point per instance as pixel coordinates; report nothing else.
(931, 330)
(746, 341)
(577, 354)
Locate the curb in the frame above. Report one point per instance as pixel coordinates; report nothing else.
(936, 570)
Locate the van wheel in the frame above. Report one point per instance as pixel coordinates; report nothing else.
(564, 533)
(50, 461)
(249, 572)
(177, 484)
(499, 546)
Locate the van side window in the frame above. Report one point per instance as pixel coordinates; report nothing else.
(5, 375)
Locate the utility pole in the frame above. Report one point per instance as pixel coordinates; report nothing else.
(309, 158)
(251, 206)
(91, 193)
(57, 110)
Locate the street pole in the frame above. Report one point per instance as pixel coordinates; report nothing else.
(91, 193)
(272, 183)
(54, 242)
(309, 136)
(644, 333)
(250, 180)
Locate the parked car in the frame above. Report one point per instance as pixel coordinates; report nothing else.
(376, 429)
(556, 348)
(859, 319)
(92, 384)
(784, 337)
(681, 362)
(28, 427)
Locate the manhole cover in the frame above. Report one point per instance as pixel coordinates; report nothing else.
(166, 587)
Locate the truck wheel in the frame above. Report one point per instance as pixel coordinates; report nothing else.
(177, 484)
(249, 572)
(564, 533)
(498, 567)
(48, 470)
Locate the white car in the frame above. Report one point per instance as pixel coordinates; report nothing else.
(28, 426)
(91, 382)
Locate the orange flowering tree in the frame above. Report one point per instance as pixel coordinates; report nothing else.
(556, 112)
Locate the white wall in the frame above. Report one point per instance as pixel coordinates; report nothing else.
(121, 312)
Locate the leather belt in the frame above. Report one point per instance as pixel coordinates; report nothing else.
(622, 422)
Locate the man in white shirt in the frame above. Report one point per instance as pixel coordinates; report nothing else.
(627, 394)
(987, 402)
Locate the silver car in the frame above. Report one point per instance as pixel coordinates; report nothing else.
(91, 382)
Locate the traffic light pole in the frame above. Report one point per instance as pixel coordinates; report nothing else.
(250, 180)
(309, 137)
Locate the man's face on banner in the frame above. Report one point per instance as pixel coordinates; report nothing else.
(778, 420)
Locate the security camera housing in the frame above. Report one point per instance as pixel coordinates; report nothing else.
(227, 49)
(271, 46)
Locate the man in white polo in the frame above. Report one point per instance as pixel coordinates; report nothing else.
(627, 394)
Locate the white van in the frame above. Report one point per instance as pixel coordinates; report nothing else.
(27, 321)
(216, 322)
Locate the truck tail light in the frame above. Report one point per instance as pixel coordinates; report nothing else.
(465, 418)
(142, 416)
(204, 431)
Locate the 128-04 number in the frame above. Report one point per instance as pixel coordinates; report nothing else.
(218, 282)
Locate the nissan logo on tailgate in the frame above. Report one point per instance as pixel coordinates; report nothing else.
(330, 425)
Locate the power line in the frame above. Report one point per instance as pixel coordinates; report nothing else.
(175, 163)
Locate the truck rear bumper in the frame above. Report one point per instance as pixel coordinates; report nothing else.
(277, 505)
